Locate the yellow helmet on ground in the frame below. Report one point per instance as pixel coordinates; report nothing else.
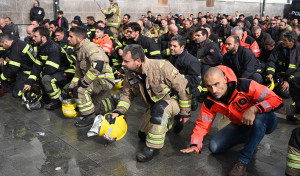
(113, 129)
(270, 84)
(69, 108)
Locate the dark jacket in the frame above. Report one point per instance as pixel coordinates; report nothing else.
(208, 53)
(164, 43)
(8, 30)
(243, 63)
(37, 13)
(262, 38)
(284, 62)
(22, 59)
(190, 67)
(272, 32)
(224, 32)
(64, 23)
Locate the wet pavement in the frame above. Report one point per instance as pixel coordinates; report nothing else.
(44, 143)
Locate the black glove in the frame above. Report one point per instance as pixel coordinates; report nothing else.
(75, 92)
(81, 84)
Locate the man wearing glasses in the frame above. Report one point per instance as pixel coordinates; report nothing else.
(272, 29)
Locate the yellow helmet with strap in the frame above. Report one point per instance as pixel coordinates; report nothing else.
(113, 129)
(69, 108)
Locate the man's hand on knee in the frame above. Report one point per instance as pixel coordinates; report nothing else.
(249, 115)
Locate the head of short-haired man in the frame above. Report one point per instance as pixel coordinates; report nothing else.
(172, 30)
(59, 34)
(76, 36)
(289, 39)
(133, 58)
(256, 32)
(6, 40)
(134, 30)
(40, 36)
(200, 35)
(232, 44)
(177, 45)
(216, 82)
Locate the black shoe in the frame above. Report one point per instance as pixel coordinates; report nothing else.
(146, 154)
(85, 121)
(142, 136)
(294, 114)
(178, 125)
(54, 104)
(194, 105)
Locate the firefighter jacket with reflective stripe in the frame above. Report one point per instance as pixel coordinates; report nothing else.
(284, 62)
(243, 63)
(22, 59)
(113, 14)
(246, 93)
(151, 48)
(208, 53)
(89, 56)
(293, 153)
(164, 44)
(162, 80)
(190, 67)
(105, 42)
(121, 43)
(224, 32)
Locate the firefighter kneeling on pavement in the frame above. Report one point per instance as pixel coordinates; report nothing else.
(155, 81)
(93, 75)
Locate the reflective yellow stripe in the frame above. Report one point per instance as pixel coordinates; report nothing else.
(84, 105)
(17, 64)
(154, 53)
(292, 76)
(107, 75)
(70, 71)
(124, 104)
(293, 157)
(293, 165)
(168, 51)
(166, 90)
(157, 135)
(44, 57)
(105, 105)
(55, 65)
(75, 79)
(185, 103)
(27, 72)
(155, 142)
(87, 108)
(292, 66)
(25, 49)
(32, 77)
(145, 50)
(3, 77)
(271, 69)
(90, 75)
(113, 24)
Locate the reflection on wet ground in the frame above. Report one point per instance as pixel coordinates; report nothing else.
(43, 143)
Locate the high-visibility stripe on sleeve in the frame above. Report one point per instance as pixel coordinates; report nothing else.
(32, 77)
(185, 103)
(292, 66)
(53, 64)
(75, 79)
(263, 95)
(206, 118)
(271, 69)
(17, 64)
(197, 141)
(90, 75)
(124, 104)
(154, 53)
(3, 77)
(293, 165)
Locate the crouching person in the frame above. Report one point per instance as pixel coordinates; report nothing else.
(93, 75)
(247, 104)
(156, 81)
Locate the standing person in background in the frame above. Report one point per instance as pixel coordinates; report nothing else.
(8, 22)
(62, 21)
(37, 12)
(113, 15)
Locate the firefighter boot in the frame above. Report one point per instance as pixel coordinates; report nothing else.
(295, 114)
(142, 136)
(146, 154)
(54, 104)
(86, 120)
